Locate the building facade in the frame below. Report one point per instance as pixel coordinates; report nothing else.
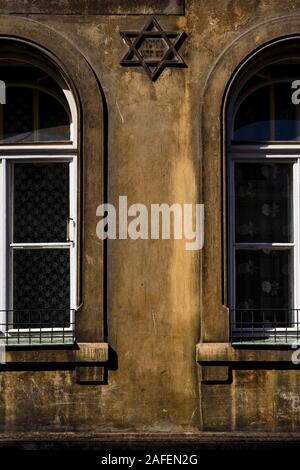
(164, 102)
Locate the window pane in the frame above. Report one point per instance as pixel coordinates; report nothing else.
(36, 108)
(54, 121)
(287, 126)
(263, 202)
(263, 281)
(40, 202)
(252, 122)
(18, 116)
(266, 108)
(41, 288)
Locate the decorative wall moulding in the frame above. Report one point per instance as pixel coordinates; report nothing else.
(153, 48)
(93, 7)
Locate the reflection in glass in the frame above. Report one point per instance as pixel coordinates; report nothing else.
(265, 110)
(54, 122)
(287, 119)
(17, 115)
(36, 108)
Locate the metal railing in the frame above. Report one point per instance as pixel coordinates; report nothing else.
(265, 326)
(37, 327)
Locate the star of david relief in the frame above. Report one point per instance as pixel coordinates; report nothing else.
(153, 48)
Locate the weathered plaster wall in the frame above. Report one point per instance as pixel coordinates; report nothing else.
(257, 400)
(154, 287)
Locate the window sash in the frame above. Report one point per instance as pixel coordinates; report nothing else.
(7, 245)
(261, 157)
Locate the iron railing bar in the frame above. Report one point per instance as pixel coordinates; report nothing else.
(25, 328)
(282, 329)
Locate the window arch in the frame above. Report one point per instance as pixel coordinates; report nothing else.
(263, 168)
(40, 106)
(38, 203)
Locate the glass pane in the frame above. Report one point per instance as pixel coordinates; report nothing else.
(54, 121)
(252, 122)
(41, 288)
(36, 108)
(18, 116)
(263, 202)
(40, 202)
(266, 109)
(287, 125)
(263, 281)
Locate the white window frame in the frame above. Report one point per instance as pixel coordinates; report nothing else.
(45, 152)
(279, 153)
(7, 246)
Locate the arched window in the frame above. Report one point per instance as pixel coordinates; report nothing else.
(38, 200)
(263, 134)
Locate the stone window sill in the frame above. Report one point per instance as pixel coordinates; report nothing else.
(216, 358)
(89, 358)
